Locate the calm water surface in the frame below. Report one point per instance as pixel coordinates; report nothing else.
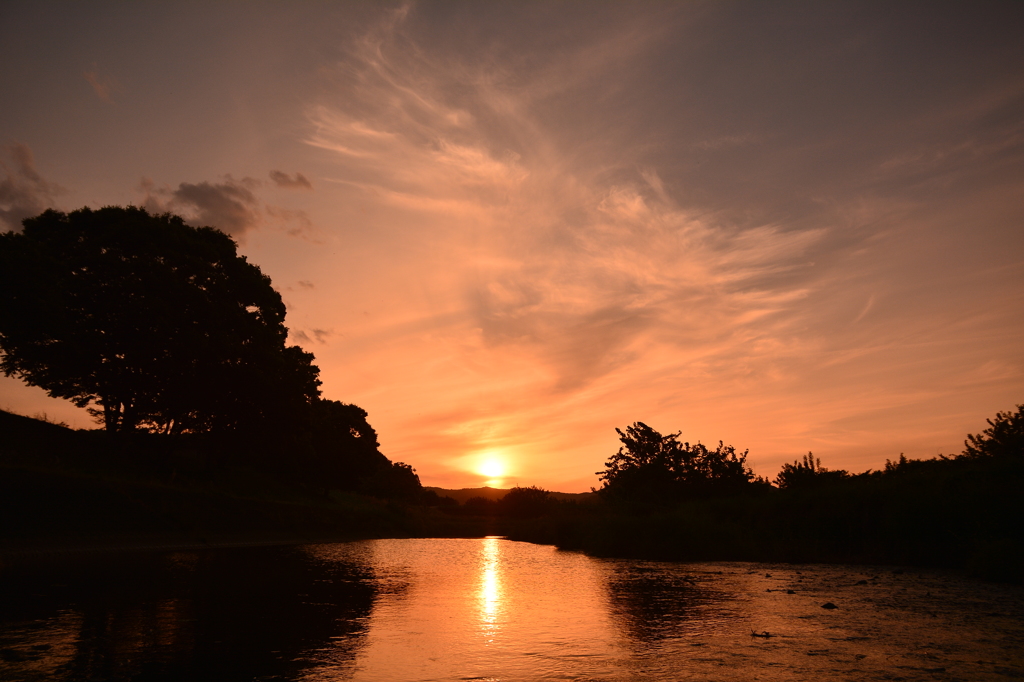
(491, 609)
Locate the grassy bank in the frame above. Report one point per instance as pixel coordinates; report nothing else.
(62, 489)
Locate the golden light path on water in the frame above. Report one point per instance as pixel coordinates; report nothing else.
(490, 585)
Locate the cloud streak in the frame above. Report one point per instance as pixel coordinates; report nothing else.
(103, 85)
(584, 275)
(636, 262)
(285, 181)
(23, 191)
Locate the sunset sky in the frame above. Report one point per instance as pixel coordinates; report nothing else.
(505, 229)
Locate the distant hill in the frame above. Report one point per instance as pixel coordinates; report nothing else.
(460, 495)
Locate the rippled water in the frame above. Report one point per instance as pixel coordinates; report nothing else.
(491, 609)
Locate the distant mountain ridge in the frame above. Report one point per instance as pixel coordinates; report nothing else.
(460, 495)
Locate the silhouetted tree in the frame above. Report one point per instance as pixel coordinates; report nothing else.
(342, 449)
(1003, 438)
(808, 473)
(335, 448)
(395, 481)
(526, 503)
(161, 325)
(651, 468)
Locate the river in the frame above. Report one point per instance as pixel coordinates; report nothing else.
(492, 609)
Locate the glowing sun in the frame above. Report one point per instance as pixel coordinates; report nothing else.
(491, 468)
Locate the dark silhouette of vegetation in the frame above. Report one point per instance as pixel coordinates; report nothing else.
(162, 326)
(1004, 437)
(526, 503)
(480, 506)
(338, 450)
(651, 469)
(808, 473)
(960, 512)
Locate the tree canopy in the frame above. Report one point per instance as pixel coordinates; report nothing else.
(339, 451)
(651, 468)
(160, 325)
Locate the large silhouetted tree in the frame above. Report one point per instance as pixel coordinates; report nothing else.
(160, 325)
(651, 468)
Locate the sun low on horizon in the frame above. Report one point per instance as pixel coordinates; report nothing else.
(506, 230)
(493, 469)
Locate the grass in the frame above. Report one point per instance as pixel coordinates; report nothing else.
(63, 489)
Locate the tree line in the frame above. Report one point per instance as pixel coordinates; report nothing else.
(661, 498)
(652, 470)
(158, 327)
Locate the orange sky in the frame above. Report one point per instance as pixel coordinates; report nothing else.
(505, 230)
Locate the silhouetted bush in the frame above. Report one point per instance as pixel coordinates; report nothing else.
(480, 506)
(652, 470)
(1004, 437)
(808, 473)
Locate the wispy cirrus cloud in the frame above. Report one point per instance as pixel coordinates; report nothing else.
(568, 276)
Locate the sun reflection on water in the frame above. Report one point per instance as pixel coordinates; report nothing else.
(490, 595)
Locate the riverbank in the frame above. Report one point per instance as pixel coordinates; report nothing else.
(67, 491)
(48, 511)
(962, 514)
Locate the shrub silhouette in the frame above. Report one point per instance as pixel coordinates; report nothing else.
(808, 473)
(651, 469)
(1004, 437)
